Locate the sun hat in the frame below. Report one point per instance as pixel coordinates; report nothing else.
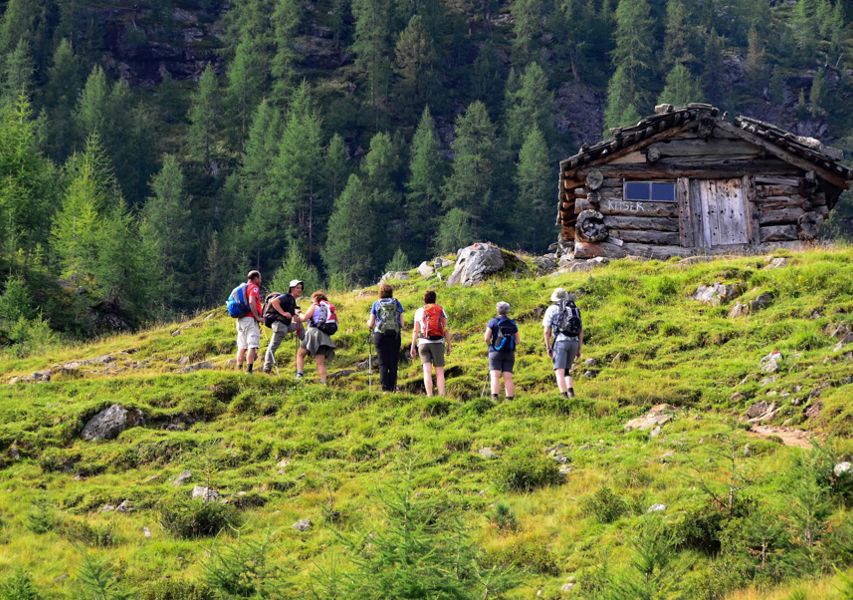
(294, 283)
(559, 295)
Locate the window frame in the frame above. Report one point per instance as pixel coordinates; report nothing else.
(649, 183)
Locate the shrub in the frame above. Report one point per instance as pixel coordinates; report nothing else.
(525, 471)
(243, 569)
(170, 589)
(19, 586)
(503, 518)
(101, 536)
(194, 518)
(531, 556)
(40, 519)
(436, 407)
(605, 505)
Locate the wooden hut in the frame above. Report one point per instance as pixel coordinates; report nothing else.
(687, 181)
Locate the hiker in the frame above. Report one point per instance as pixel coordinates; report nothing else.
(386, 324)
(433, 340)
(322, 322)
(279, 313)
(502, 336)
(563, 337)
(244, 304)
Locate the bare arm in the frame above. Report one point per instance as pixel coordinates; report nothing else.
(253, 304)
(307, 314)
(371, 321)
(488, 335)
(276, 304)
(547, 334)
(415, 330)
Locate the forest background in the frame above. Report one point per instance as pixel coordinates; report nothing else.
(152, 152)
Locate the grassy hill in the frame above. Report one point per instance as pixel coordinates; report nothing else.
(402, 501)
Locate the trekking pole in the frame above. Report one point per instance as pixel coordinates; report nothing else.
(369, 364)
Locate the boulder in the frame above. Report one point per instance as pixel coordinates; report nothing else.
(761, 302)
(394, 276)
(772, 362)
(656, 508)
(487, 453)
(207, 494)
(739, 310)
(302, 525)
(762, 411)
(659, 415)
(110, 422)
(813, 411)
(181, 479)
(546, 264)
(475, 263)
(426, 270)
(199, 366)
(124, 507)
(843, 469)
(718, 293)
(42, 375)
(776, 263)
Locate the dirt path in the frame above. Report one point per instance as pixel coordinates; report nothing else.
(790, 437)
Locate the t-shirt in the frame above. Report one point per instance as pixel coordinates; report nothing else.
(288, 304)
(254, 292)
(493, 325)
(419, 318)
(552, 315)
(374, 310)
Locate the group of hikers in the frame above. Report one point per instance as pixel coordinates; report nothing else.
(431, 341)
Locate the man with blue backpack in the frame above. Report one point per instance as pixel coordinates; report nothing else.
(244, 304)
(503, 337)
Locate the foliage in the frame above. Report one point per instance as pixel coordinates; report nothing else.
(606, 506)
(192, 518)
(525, 471)
(243, 569)
(18, 586)
(97, 580)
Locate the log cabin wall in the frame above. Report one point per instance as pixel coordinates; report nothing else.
(730, 195)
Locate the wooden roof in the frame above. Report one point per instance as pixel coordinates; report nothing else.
(805, 153)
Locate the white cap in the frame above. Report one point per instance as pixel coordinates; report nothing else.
(294, 283)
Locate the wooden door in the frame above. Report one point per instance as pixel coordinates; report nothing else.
(718, 213)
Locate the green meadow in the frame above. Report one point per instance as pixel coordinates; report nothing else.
(402, 503)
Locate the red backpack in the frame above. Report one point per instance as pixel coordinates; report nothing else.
(434, 322)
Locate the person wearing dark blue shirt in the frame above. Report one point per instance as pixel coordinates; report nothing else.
(502, 336)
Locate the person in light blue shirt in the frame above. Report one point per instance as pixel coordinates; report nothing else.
(563, 330)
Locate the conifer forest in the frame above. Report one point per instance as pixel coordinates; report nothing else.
(152, 152)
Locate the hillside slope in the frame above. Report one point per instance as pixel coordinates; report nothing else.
(564, 492)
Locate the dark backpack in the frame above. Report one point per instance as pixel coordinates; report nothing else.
(387, 319)
(569, 320)
(271, 315)
(503, 335)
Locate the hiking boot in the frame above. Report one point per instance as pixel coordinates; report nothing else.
(495, 398)
(571, 392)
(300, 376)
(510, 398)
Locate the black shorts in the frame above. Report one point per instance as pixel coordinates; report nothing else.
(501, 361)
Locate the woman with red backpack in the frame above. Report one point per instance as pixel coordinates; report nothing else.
(322, 322)
(431, 340)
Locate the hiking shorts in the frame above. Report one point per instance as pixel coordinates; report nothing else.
(248, 334)
(432, 353)
(501, 361)
(565, 352)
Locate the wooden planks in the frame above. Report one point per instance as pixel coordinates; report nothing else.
(646, 236)
(710, 147)
(682, 196)
(781, 216)
(614, 205)
(642, 222)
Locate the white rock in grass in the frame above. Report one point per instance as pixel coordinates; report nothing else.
(656, 508)
(843, 468)
(146, 532)
(205, 493)
(184, 477)
(487, 453)
(302, 525)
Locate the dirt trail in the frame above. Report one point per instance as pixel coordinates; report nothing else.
(790, 437)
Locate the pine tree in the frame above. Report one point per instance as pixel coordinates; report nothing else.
(60, 93)
(167, 225)
(295, 266)
(372, 49)
(18, 24)
(415, 62)
(287, 18)
(17, 77)
(350, 246)
(204, 117)
(94, 106)
(337, 167)
(534, 214)
(457, 231)
(260, 151)
(487, 80)
(531, 104)
(245, 85)
(678, 35)
(399, 262)
(469, 188)
(380, 168)
(712, 64)
(755, 65)
(776, 86)
(628, 93)
(423, 189)
(805, 29)
(817, 95)
(528, 21)
(681, 87)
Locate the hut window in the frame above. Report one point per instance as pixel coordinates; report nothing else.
(650, 191)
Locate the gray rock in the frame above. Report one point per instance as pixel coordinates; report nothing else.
(775, 263)
(475, 263)
(426, 270)
(658, 415)
(590, 362)
(199, 366)
(656, 508)
(302, 525)
(70, 368)
(772, 362)
(146, 532)
(565, 470)
(655, 432)
(739, 310)
(104, 359)
(761, 302)
(718, 293)
(843, 469)
(813, 411)
(110, 422)
(395, 276)
(567, 587)
(546, 264)
(42, 375)
(107, 508)
(207, 494)
(440, 262)
(762, 411)
(487, 453)
(181, 479)
(184, 361)
(566, 261)
(737, 397)
(124, 507)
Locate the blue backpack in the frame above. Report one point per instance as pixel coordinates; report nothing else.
(503, 335)
(238, 304)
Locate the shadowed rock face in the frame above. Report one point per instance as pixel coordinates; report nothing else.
(110, 422)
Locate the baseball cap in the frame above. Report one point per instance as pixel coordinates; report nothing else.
(294, 283)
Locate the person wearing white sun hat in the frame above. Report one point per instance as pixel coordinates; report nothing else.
(563, 332)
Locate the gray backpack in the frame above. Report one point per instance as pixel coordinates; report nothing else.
(386, 317)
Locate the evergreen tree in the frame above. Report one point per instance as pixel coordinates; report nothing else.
(18, 24)
(534, 215)
(469, 188)
(678, 35)
(60, 94)
(681, 87)
(337, 167)
(245, 83)
(531, 104)
(528, 21)
(399, 262)
(295, 266)
(372, 49)
(423, 189)
(776, 86)
(380, 167)
(94, 105)
(755, 65)
(204, 117)
(260, 152)
(628, 94)
(166, 225)
(817, 96)
(804, 28)
(712, 64)
(415, 65)
(17, 77)
(287, 18)
(350, 248)
(487, 80)
(457, 231)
